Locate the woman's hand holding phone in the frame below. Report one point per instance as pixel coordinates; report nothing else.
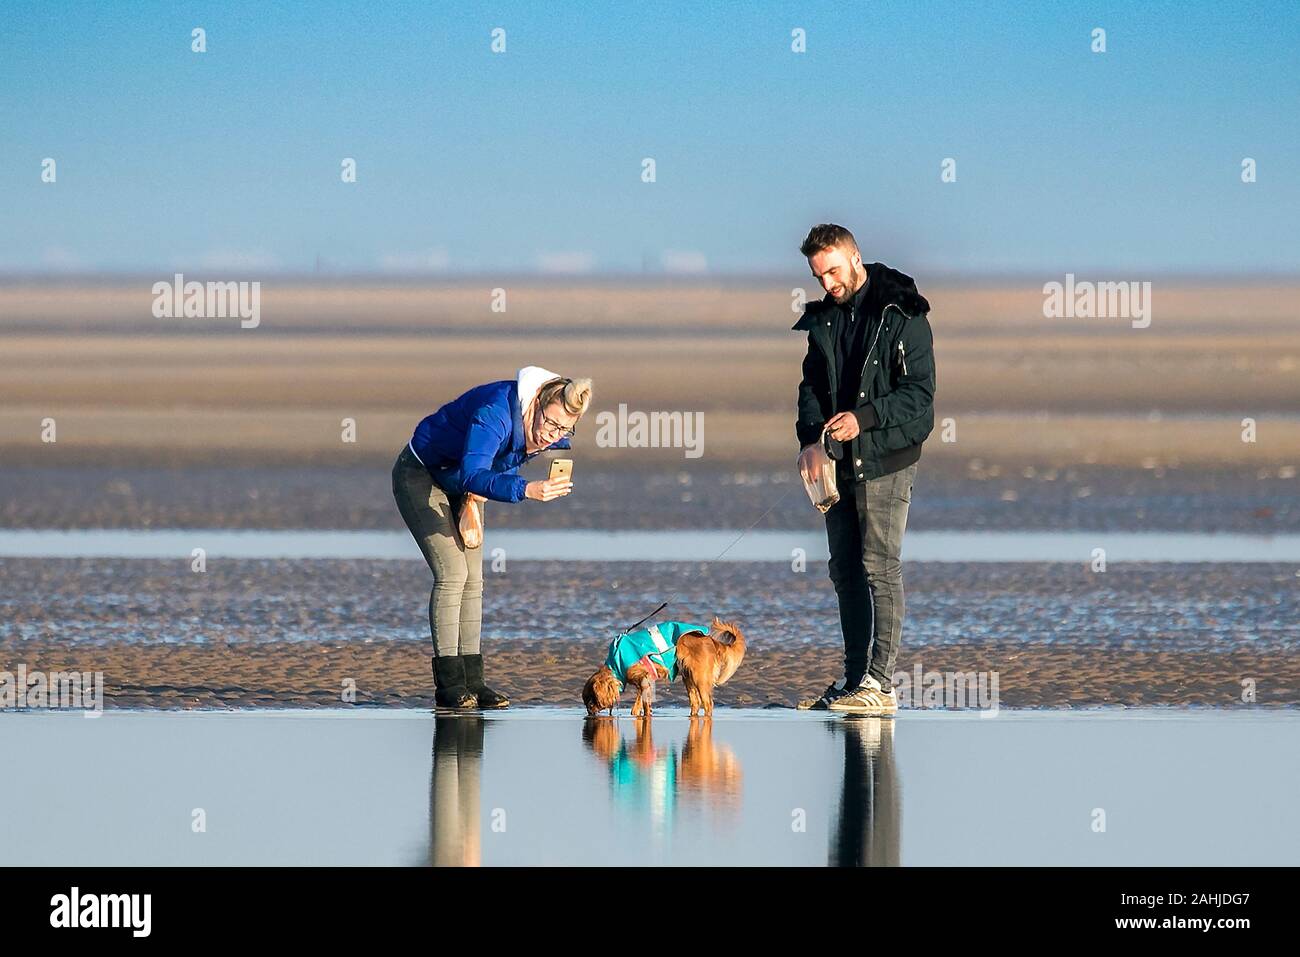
(558, 484)
(548, 489)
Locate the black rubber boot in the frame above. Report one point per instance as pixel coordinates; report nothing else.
(449, 683)
(487, 698)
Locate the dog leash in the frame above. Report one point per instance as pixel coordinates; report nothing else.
(718, 557)
(645, 619)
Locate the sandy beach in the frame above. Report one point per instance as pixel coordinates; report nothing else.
(1040, 423)
(1046, 424)
(1020, 389)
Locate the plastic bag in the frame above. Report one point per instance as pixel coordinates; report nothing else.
(471, 521)
(821, 488)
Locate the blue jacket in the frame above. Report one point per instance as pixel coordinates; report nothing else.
(658, 641)
(475, 443)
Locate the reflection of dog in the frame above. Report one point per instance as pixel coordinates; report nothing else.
(706, 769)
(602, 737)
(703, 657)
(652, 780)
(607, 742)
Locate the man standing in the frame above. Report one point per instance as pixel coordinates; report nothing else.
(868, 381)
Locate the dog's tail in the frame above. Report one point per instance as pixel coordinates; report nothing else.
(731, 647)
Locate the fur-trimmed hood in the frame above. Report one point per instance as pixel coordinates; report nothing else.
(892, 288)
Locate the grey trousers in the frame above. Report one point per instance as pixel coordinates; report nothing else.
(456, 600)
(864, 530)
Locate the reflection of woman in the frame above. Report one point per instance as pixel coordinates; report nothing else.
(454, 792)
(474, 445)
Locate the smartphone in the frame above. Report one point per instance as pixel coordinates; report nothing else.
(561, 469)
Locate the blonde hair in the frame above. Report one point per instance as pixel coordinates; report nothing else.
(573, 394)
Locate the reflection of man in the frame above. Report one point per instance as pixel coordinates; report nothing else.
(868, 829)
(868, 381)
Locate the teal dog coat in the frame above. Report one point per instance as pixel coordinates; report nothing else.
(656, 642)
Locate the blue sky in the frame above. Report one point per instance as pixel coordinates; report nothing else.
(470, 161)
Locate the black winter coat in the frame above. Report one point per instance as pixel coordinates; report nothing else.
(896, 384)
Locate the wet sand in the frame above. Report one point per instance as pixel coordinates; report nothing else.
(395, 674)
(291, 634)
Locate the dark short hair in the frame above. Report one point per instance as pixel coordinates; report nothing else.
(827, 236)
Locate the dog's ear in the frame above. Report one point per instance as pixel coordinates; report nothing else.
(600, 691)
(589, 694)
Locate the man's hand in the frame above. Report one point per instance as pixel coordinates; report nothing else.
(842, 426)
(544, 490)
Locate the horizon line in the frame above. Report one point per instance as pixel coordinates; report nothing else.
(448, 278)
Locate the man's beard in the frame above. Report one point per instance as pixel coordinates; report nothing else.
(852, 285)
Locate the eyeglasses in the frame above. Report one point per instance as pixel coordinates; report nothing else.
(550, 425)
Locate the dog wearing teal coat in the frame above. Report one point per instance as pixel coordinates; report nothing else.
(703, 657)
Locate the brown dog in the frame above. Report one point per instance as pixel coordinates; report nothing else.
(704, 661)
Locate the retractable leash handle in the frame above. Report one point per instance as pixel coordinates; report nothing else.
(826, 441)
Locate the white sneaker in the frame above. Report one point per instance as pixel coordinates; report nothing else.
(867, 698)
(835, 690)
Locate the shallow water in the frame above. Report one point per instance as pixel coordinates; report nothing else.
(951, 494)
(676, 545)
(541, 786)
